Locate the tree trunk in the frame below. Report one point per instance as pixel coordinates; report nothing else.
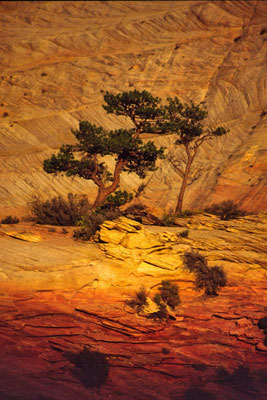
(190, 158)
(104, 192)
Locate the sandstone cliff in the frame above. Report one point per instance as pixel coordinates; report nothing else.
(58, 58)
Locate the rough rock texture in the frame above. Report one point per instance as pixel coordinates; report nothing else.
(59, 295)
(58, 58)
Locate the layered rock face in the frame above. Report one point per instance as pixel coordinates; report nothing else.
(58, 59)
(59, 296)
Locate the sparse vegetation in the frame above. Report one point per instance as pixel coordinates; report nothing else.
(209, 278)
(226, 210)
(89, 225)
(161, 314)
(139, 301)
(10, 220)
(168, 219)
(131, 154)
(169, 294)
(115, 201)
(184, 234)
(5, 114)
(59, 211)
(92, 367)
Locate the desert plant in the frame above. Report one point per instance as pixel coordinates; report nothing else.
(10, 220)
(139, 301)
(52, 230)
(187, 122)
(211, 280)
(195, 262)
(59, 211)
(64, 231)
(5, 114)
(89, 225)
(184, 234)
(93, 367)
(161, 314)
(168, 220)
(169, 294)
(86, 160)
(226, 210)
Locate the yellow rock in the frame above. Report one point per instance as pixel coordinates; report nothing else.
(141, 240)
(26, 236)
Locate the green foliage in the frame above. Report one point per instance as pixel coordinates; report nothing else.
(141, 107)
(10, 220)
(169, 294)
(92, 367)
(125, 146)
(168, 220)
(90, 225)
(195, 262)
(115, 201)
(209, 278)
(59, 211)
(226, 210)
(161, 314)
(139, 301)
(184, 234)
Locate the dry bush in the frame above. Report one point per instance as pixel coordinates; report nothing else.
(59, 211)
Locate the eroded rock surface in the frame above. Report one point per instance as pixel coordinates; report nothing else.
(58, 59)
(59, 295)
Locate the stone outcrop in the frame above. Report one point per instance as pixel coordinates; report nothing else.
(150, 253)
(57, 60)
(59, 295)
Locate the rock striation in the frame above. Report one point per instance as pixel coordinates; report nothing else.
(58, 59)
(59, 295)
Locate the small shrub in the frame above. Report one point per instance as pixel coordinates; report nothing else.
(187, 213)
(5, 114)
(211, 280)
(169, 294)
(10, 220)
(263, 31)
(226, 210)
(64, 231)
(43, 74)
(139, 301)
(165, 350)
(161, 314)
(168, 220)
(59, 211)
(196, 393)
(93, 367)
(90, 225)
(195, 262)
(237, 38)
(52, 230)
(263, 113)
(184, 234)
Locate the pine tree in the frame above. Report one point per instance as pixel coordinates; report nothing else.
(131, 154)
(186, 121)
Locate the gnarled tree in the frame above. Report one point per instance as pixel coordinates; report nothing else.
(186, 121)
(131, 154)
